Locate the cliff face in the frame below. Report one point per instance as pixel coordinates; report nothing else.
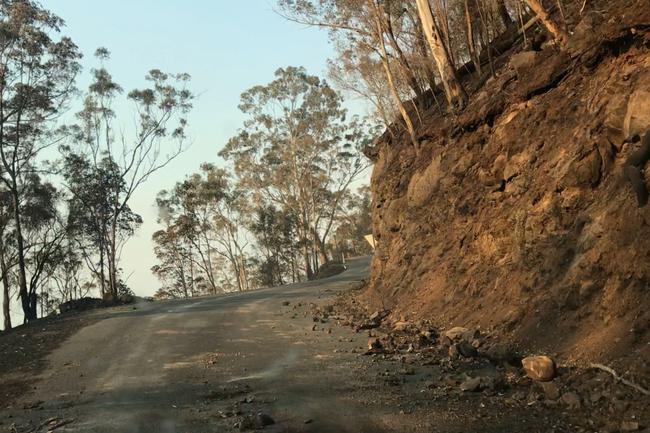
(519, 215)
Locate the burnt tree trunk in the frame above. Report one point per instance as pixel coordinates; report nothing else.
(5, 289)
(469, 33)
(456, 96)
(506, 19)
(558, 33)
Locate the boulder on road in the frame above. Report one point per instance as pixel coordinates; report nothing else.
(502, 353)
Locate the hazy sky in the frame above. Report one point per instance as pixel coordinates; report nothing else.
(226, 46)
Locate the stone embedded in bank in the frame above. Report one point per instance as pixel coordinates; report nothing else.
(539, 368)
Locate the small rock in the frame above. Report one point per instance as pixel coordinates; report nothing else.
(466, 350)
(571, 400)
(366, 325)
(551, 390)
(637, 119)
(375, 344)
(629, 426)
(429, 335)
(286, 303)
(522, 61)
(539, 368)
(502, 353)
(264, 419)
(471, 384)
(495, 381)
(401, 326)
(455, 333)
(453, 351)
(255, 422)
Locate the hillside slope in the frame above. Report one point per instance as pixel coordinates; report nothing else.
(518, 215)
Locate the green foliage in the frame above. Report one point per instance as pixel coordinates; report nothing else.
(202, 240)
(103, 173)
(275, 232)
(355, 223)
(38, 74)
(298, 151)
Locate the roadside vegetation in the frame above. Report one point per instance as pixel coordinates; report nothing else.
(284, 204)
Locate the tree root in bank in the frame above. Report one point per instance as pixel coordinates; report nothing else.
(618, 378)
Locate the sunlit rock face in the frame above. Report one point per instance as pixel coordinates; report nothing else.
(518, 215)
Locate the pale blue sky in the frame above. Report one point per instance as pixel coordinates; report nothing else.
(226, 46)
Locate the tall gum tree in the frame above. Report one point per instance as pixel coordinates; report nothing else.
(156, 138)
(297, 151)
(37, 74)
(205, 236)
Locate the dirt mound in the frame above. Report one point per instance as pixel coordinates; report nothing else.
(82, 304)
(525, 214)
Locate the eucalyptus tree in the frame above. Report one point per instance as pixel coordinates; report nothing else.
(296, 151)
(68, 279)
(6, 254)
(44, 232)
(367, 27)
(91, 187)
(38, 68)
(175, 262)
(204, 218)
(127, 159)
(274, 231)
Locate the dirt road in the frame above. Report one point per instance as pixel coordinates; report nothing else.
(214, 364)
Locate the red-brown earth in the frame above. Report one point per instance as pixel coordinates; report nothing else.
(516, 216)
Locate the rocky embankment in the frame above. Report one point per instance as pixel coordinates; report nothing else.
(526, 214)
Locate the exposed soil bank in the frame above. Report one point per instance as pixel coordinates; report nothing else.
(525, 214)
